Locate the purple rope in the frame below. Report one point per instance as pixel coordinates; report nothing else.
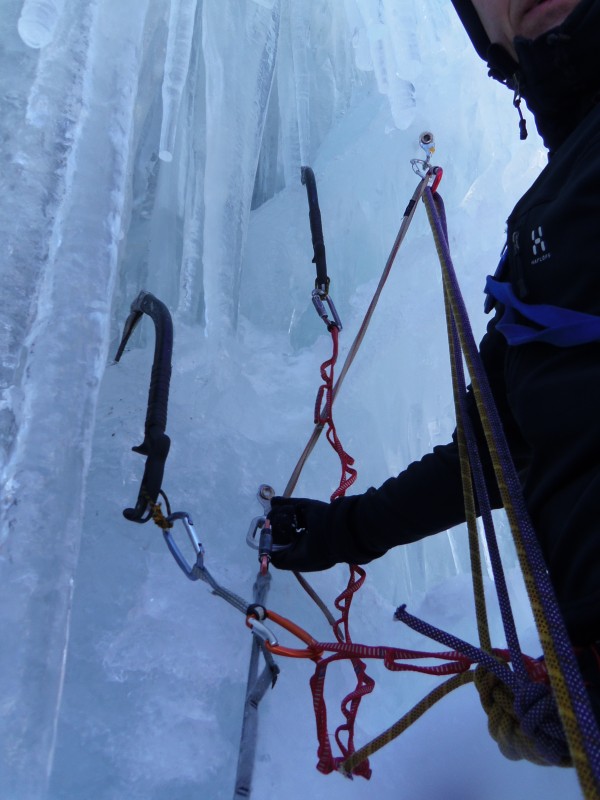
(590, 736)
(485, 510)
(473, 653)
(534, 704)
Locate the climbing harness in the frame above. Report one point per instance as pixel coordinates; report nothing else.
(522, 696)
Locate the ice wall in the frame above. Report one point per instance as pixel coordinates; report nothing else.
(158, 144)
(73, 164)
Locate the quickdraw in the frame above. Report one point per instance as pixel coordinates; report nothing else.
(323, 416)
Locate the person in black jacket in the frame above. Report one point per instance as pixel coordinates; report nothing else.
(544, 373)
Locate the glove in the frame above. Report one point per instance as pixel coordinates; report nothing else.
(315, 535)
(298, 525)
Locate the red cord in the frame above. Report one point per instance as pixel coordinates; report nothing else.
(324, 417)
(364, 684)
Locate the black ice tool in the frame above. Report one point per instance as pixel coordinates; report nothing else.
(156, 443)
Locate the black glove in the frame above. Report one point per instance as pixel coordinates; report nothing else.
(298, 525)
(315, 534)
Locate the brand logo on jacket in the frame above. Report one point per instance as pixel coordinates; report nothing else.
(538, 246)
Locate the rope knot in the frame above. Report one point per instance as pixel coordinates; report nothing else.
(525, 725)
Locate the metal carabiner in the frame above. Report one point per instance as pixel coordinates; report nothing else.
(318, 298)
(264, 544)
(261, 630)
(264, 496)
(312, 650)
(190, 571)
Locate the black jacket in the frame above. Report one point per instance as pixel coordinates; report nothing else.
(548, 396)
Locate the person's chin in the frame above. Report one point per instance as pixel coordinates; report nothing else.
(543, 16)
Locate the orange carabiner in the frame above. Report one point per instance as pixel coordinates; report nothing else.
(311, 651)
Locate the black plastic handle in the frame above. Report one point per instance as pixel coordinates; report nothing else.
(316, 230)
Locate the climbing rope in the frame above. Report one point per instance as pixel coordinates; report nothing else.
(575, 711)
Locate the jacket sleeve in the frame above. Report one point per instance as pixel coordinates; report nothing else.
(427, 497)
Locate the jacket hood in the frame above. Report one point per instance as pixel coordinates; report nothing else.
(558, 74)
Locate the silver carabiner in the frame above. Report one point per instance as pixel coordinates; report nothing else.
(192, 571)
(264, 496)
(318, 298)
(427, 143)
(256, 525)
(261, 630)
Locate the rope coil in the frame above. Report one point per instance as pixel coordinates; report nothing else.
(526, 726)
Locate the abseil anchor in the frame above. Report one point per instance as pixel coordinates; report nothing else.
(156, 443)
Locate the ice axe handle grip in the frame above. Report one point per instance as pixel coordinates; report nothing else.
(316, 230)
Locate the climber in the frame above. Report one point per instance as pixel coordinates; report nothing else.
(542, 348)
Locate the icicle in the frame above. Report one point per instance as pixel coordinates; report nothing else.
(239, 53)
(177, 62)
(38, 20)
(390, 38)
(362, 56)
(64, 357)
(300, 30)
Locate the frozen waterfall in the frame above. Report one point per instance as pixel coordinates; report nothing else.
(157, 144)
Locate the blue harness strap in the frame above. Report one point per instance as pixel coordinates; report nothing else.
(522, 323)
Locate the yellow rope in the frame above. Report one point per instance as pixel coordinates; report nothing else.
(469, 497)
(503, 723)
(497, 701)
(557, 679)
(406, 721)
